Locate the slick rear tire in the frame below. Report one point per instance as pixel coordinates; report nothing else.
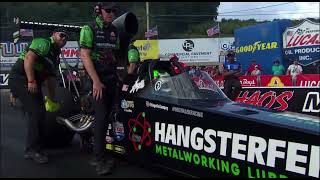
(53, 134)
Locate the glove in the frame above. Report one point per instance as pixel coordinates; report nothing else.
(50, 105)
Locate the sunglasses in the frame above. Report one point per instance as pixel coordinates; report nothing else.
(63, 35)
(110, 10)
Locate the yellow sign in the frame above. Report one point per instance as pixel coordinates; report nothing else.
(257, 46)
(275, 82)
(148, 49)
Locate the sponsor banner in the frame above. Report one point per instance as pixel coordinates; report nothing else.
(195, 50)
(71, 53)
(10, 53)
(262, 42)
(248, 81)
(308, 80)
(302, 42)
(301, 100)
(275, 81)
(4, 77)
(148, 49)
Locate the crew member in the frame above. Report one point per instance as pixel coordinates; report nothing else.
(98, 43)
(37, 64)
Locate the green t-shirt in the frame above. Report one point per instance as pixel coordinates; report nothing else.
(41, 47)
(278, 70)
(47, 60)
(86, 37)
(133, 54)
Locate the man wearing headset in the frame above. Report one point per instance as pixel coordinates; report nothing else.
(98, 44)
(37, 64)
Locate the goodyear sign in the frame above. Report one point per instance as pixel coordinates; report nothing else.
(257, 46)
(148, 49)
(262, 42)
(302, 42)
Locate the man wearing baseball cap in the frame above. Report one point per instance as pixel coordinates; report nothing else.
(36, 64)
(99, 42)
(231, 73)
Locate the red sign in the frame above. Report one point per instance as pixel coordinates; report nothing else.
(70, 52)
(303, 40)
(248, 81)
(219, 81)
(275, 81)
(268, 99)
(308, 80)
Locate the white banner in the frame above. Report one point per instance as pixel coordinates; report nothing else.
(195, 50)
(10, 53)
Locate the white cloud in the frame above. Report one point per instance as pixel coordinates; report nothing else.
(284, 10)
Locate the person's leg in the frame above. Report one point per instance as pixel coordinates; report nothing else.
(102, 111)
(227, 87)
(33, 106)
(236, 89)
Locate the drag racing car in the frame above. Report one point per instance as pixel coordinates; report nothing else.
(168, 122)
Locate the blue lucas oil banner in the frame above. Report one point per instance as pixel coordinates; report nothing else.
(262, 42)
(302, 43)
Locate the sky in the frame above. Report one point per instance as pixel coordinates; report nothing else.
(268, 10)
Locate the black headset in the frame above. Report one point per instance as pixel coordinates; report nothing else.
(97, 9)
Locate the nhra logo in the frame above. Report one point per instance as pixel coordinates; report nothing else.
(188, 45)
(312, 103)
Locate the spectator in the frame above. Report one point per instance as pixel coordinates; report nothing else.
(294, 69)
(256, 71)
(252, 67)
(231, 74)
(277, 68)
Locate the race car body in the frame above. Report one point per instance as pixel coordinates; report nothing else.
(168, 122)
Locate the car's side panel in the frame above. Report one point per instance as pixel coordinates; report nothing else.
(206, 145)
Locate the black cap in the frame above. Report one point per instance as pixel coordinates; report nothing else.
(109, 5)
(60, 29)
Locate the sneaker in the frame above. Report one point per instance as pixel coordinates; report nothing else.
(93, 161)
(37, 157)
(103, 168)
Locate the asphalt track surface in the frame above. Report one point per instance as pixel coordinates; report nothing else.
(67, 162)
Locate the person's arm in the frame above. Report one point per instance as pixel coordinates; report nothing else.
(28, 67)
(288, 70)
(238, 72)
(132, 67)
(133, 58)
(86, 43)
(301, 70)
(88, 65)
(227, 73)
(29, 64)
